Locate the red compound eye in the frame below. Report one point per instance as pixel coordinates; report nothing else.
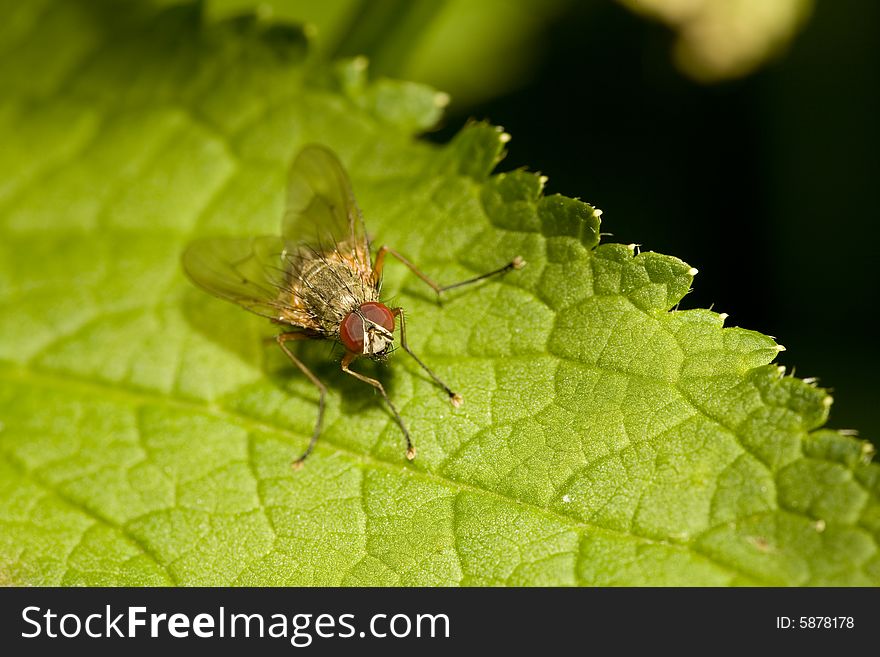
(351, 332)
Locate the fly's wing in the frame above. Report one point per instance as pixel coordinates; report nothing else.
(321, 209)
(248, 271)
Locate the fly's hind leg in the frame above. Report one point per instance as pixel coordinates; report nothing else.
(289, 337)
(346, 361)
(516, 263)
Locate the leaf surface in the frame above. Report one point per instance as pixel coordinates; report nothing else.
(146, 432)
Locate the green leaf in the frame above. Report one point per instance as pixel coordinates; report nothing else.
(146, 431)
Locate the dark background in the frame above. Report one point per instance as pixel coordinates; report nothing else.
(767, 184)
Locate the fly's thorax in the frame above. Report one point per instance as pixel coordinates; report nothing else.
(328, 289)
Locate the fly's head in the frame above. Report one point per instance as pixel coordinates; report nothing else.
(369, 330)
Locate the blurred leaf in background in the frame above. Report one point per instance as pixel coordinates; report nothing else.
(476, 51)
(473, 51)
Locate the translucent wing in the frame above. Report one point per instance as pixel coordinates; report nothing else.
(321, 209)
(251, 272)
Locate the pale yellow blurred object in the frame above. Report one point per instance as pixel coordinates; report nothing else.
(723, 39)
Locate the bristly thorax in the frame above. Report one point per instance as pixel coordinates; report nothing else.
(324, 288)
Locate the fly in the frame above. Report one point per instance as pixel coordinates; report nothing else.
(317, 278)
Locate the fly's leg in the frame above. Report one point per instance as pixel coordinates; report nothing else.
(516, 263)
(454, 397)
(346, 361)
(290, 337)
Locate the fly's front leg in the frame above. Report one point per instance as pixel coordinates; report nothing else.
(290, 337)
(516, 263)
(454, 398)
(346, 361)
